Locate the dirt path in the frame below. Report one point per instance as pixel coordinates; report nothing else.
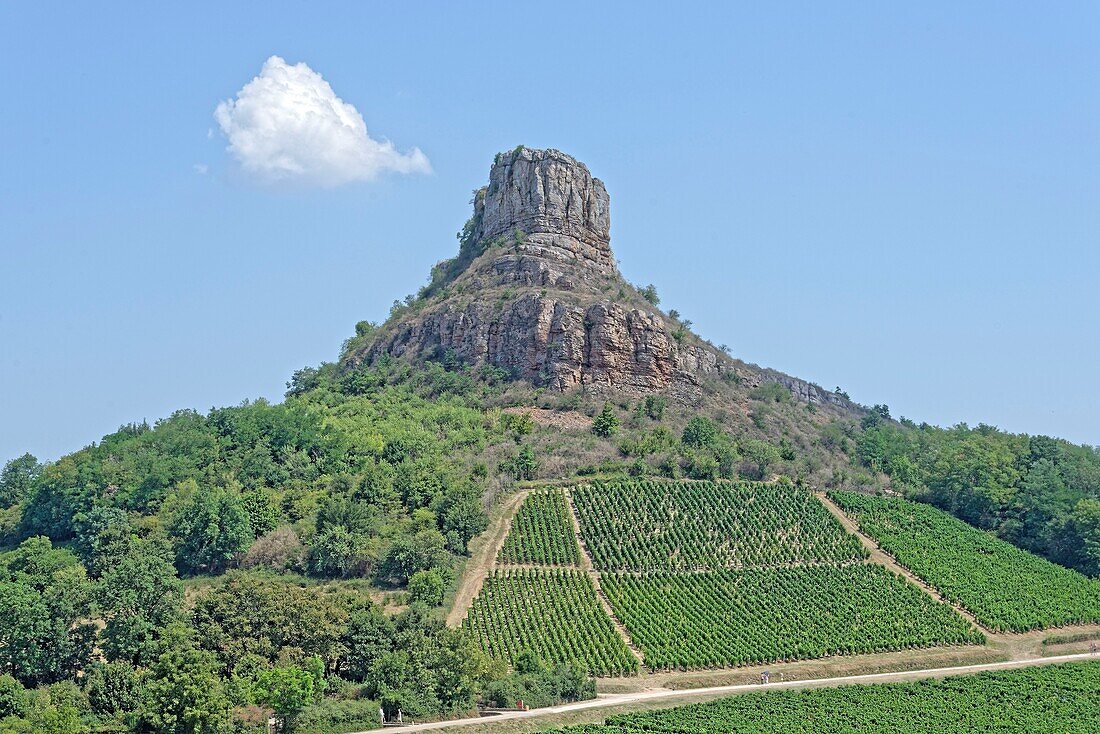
(588, 567)
(883, 558)
(668, 697)
(483, 557)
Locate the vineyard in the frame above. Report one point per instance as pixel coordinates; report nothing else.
(1053, 699)
(685, 526)
(553, 613)
(1005, 588)
(542, 533)
(738, 617)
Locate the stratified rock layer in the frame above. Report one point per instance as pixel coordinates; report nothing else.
(542, 298)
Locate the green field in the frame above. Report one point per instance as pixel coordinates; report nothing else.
(542, 532)
(738, 617)
(1005, 588)
(1051, 699)
(684, 526)
(553, 613)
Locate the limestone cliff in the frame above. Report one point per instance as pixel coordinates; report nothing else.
(535, 291)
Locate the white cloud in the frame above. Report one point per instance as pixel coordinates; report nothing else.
(201, 168)
(288, 125)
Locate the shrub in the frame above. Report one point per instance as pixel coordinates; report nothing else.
(280, 550)
(606, 423)
(426, 587)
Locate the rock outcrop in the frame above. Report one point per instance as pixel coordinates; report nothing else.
(535, 291)
(563, 213)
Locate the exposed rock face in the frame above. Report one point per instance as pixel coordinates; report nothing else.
(553, 200)
(558, 344)
(543, 299)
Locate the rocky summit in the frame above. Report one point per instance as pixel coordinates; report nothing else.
(536, 292)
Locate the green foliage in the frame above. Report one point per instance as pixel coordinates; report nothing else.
(426, 587)
(13, 697)
(17, 479)
(426, 549)
(426, 669)
(524, 466)
(113, 688)
(542, 532)
(1027, 489)
(289, 689)
(701, 432)
(1051, 699)
(45, 602)
(649, 292)
(60, 708)
(1004, 587)
(210, 527)
(653, 407)
(552, 613)
(752, 616)
(182, 693)
(538, 685)
(606, 423)
(248, 614)
(771, 392)
(138, 597)
(652, 525)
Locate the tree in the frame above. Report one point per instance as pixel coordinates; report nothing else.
(45, 598)
(13, 697)
(606, 423)
(262, 515)
(17, 479)
(250, 614)
(409, 554)
(138, 598)
(525, 465)
(103, 537)
(700, 432)
(183, 694)
(369, 635)
(426, 587)
(113, 688)
(289, 689)
(649, 292)
(461, 514)
(210, 529)
(1082, 537)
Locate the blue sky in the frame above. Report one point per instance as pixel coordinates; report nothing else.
(898, 200)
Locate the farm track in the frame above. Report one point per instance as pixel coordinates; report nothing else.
(483, 558)
(881, 557)
(514, 721)
(588, 567)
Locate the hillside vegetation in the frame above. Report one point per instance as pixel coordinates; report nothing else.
(1004, 587)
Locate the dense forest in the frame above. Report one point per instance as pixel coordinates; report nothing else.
(293, 559)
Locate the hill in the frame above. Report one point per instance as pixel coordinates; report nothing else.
(298, 558)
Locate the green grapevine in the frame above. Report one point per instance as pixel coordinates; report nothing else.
(1051, 699)
(542, 532)
(1004, 587)
(553, 613)
(738, 617)
(685, 526)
